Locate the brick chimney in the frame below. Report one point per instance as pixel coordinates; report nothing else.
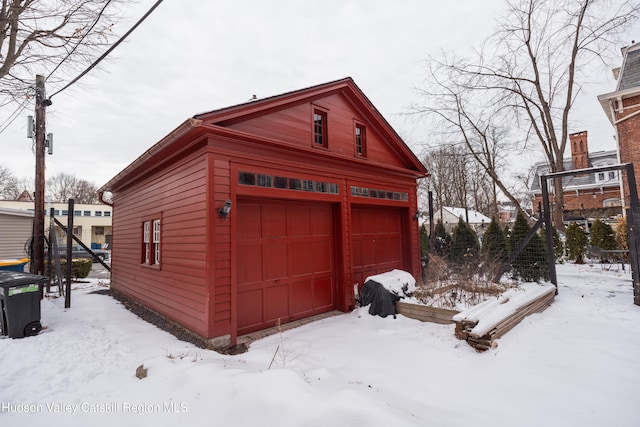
(579, 150)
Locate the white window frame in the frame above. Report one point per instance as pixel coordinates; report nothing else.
(146, 240)
(156, 241)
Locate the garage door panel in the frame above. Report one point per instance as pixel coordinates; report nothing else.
(302, 296)
(252, 302)
(321, 221)
(292, 276)
(323, 293)
(250, 220)
(367, 253)
(276, 302)
(250, 270)
(274, 221)
(275, 259)
(301, 256)
(298, 223)
(322, 256)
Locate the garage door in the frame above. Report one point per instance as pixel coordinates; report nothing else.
(377, 238)
(285, 258)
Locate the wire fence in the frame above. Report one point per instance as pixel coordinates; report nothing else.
(464, 267)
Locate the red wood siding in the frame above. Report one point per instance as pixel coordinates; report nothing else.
(294, 125)
(285, 259)
(378, 241)
(222, 322)
(178, 288)
(283, 253)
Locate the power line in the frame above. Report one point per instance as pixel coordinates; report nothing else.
(13, 116)
(81, 39)
(104, 55)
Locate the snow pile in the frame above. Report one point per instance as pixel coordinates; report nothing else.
(494, 310)
(398, 282)
(574, 363)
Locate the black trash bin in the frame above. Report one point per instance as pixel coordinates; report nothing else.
(20, 303)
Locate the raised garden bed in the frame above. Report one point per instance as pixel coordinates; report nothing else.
(425, 313)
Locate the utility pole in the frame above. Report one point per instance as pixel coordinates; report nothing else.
(37, 259)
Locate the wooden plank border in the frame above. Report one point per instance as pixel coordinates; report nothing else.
(425, 313)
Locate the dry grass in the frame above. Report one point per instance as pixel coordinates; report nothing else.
(451, 286)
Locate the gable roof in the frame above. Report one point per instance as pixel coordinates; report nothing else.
(345, 86)
(215, 121)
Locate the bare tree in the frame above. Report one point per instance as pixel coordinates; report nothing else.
(531, 69)
(8, 184)
(456, 181)
(63, 187)
(462, 114)
(40, 35)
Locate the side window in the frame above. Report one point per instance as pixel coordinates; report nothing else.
(151, 242)
(360, 140)
(146, 242)
(156, 242)
(320, 128)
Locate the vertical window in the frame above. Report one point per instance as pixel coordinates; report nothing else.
(151, 242)
(361, 146)
(156, 241)
(146, 242)
(320, 128)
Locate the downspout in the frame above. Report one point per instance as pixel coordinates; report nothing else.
(101, 193)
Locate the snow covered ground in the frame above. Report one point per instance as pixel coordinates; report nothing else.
(576, 364)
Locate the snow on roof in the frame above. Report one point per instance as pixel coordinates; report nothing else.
(475, 217)
(398, 282)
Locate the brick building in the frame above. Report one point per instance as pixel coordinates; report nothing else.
(595, 195)
(622, 107)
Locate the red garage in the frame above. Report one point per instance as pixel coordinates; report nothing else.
(265, 212)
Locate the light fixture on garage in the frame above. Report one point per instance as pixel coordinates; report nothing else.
(417, 215)
(225, 210)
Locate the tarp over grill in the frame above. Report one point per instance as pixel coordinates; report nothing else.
(383, 302)
(382, 291)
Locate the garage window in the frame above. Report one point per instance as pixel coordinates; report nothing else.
(286, 183)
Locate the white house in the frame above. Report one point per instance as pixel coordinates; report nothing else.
(16, 227)
(451, 215)
(91, 222)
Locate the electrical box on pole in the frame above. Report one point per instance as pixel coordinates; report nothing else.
(31, 127)
(49, 143)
